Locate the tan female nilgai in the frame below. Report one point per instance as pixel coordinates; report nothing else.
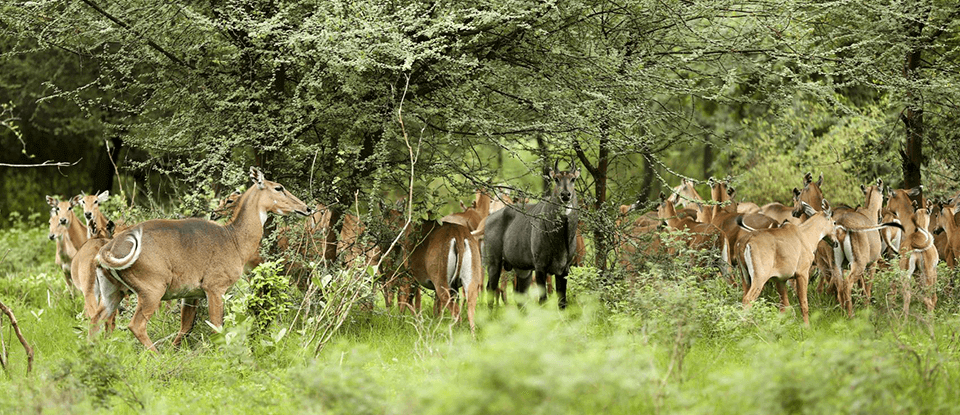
(67, 230)
(190, 258)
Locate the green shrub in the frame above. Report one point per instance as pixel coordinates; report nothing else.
(268, 299)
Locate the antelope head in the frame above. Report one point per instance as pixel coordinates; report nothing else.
(921, 216)
(62, 209)
(273, 197)
(563, 188)
(55, 229)
(91, 204)
(226, 205)
(666, 209)
(718, 190)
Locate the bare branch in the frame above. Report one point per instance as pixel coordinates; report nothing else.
(47, 163)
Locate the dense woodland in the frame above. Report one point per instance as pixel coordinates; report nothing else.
(359, 104)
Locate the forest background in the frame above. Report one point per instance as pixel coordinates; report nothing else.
(167, 105)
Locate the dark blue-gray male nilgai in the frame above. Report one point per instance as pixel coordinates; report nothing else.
(540, 237)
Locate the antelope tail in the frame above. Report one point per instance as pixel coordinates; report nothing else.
(744, 225)
(107, 259)
(929, 239)
(874, 228)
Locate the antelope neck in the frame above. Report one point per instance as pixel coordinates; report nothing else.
(246, 225)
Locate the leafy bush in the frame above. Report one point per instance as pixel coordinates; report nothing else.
(268, 299)
(536, 361)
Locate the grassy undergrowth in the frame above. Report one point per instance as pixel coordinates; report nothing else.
(665, 343)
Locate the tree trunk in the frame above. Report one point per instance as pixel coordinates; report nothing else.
(601, 235)
(707, 160)
(912, 151)
(104, 172)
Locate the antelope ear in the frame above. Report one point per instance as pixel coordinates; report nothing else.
(52, 201)
(663, 197)
(915, 191)
(711, 181)
(796, 193)
(76, 199)
(826, 208)
(809, 210)
(863, 189)
(576, 173)
(880, 184)
(914, 203)
(820, 180)
(257, 176)
(731, 191)
(103, 196)
(807, 178)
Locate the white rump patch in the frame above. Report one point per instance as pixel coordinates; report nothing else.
(725, 253)
(466, 269)
(451, 262)
(748, 258)
(838, 259)
(108, 291)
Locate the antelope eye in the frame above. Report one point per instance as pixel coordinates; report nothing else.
(278, 188)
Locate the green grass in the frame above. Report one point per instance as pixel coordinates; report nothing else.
(671, 345)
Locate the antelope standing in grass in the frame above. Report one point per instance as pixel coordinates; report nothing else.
(445, 257)
(540, 237)
(785, 253)
(919, 253)
(859, 245)
(67, 230)
(189, 258)
(84, 264)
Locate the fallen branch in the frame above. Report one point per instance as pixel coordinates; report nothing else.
(16, 328)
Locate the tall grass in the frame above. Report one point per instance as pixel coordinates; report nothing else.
(668, 339)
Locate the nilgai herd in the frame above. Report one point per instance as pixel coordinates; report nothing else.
(191, 259)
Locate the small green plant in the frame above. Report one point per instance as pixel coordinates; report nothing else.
(268, 299)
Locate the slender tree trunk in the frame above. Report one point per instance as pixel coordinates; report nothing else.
(545, 170)
(911, 153)
(104, 172)
(601, 235)
(646, 182)
(707, 160)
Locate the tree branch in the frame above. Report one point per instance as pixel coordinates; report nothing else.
(583, 159)
(124, 25)
(16, 328)
(47, 163)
